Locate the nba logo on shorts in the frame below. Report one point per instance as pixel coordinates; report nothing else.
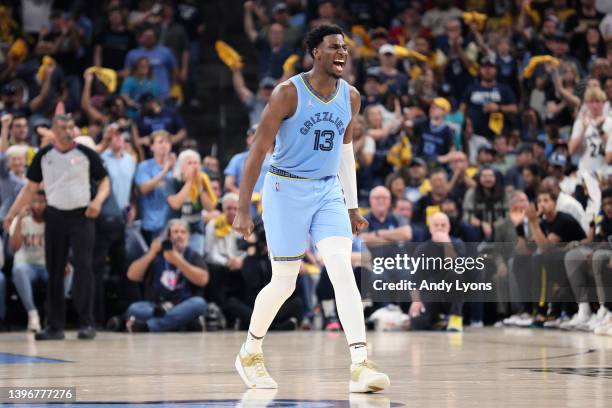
(277, 186)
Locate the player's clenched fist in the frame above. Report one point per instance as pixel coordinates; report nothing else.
(243, 223)
(358, 223)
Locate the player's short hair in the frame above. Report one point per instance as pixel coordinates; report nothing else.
(607, 193)
(316, 35)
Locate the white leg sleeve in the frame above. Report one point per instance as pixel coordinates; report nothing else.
(273, 295)
(336, 253)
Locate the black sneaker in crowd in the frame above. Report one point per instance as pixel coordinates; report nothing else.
(87, 333)
(50, 334)
(115, 324)
(134, 325)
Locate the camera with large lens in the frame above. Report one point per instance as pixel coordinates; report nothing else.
(167, 245)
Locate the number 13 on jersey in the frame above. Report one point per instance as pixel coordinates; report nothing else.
(324, 140)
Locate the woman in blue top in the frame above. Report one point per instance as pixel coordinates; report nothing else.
(138, 83)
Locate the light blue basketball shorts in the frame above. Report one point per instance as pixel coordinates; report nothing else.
(294, 207)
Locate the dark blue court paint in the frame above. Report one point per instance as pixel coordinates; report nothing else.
(10, 358)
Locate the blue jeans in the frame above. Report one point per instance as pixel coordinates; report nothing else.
(2, 296)
(23, 277)
(175, 319)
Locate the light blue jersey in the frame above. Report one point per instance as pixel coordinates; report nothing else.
(301, 193)
(309, 143)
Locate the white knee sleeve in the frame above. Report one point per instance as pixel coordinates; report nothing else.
(284, 276)
(273, 295)
(336, 253)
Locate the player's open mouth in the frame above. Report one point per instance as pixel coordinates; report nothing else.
(339, 64)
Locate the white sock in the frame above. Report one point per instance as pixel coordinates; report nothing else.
(252, 345)
(269, 300)
(584, 309)
(359, 353)
(336, 253)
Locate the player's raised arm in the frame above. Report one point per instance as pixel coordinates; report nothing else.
(347, 172)
(282, 105)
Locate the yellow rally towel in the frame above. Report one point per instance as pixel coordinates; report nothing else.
(228, 55)
(349, 41)
(193, 194)
(18, 50)
(476, 17)
(537, 60)
(366, 52)
(222, 227)
(431, 210)
(47, 61)
(289, 64)
(362, 33)
(496, 122)
(400, 153)
(176, 93)
(403, 52)
(105, 75)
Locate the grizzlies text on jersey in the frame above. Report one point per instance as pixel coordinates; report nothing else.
(308, 143)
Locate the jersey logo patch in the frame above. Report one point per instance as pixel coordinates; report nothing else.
(310, 104)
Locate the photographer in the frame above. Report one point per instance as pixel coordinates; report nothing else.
(243, 287)
(171, 271)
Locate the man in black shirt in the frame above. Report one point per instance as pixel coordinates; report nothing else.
(113, 42)
(551, 233)
(585, 262)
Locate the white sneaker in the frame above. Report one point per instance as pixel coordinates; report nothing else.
(524, 320)
(33, 321)
(606, 320)
(478, 324)
(602, 329)
(576, 320)
(252, 370)
(365, 378)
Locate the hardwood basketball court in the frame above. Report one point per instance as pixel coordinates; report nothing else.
(491, 367)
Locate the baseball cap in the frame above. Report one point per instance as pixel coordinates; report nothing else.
(387, 49)
(487, 61)
(524, 147)
(486, 148)
(373, 74)
(417, 161)
(558, 159)
(279, 8)
(267, 82)
(442, 103)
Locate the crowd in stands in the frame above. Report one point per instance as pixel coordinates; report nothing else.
(481, 122)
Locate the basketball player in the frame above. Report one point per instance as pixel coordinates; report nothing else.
(313, 163)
